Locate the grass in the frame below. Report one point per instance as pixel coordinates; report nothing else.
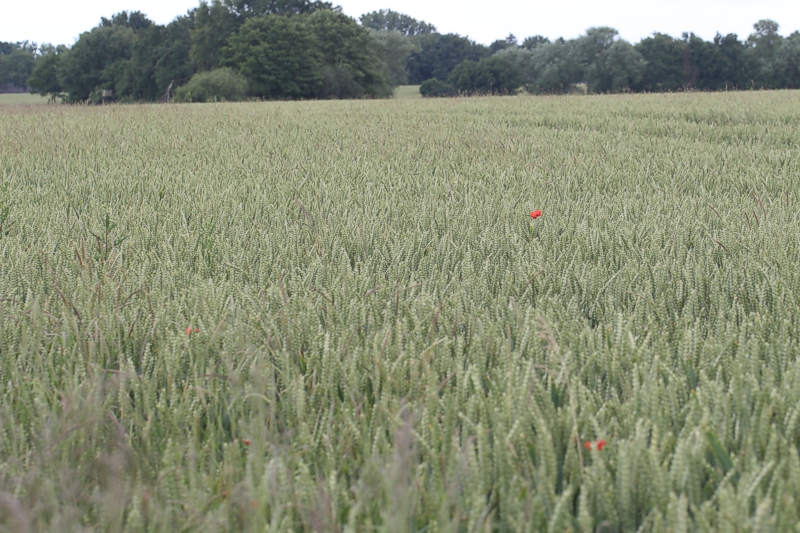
(407, 92)
(338, 316)
(22, 99)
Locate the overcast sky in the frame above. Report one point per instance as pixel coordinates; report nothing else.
(60, 22)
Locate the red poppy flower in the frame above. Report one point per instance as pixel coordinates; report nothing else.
(594, 445)
(189, 330)
(247, 442)
(196, 330)
(536, 214)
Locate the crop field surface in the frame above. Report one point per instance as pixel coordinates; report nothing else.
(339, 316)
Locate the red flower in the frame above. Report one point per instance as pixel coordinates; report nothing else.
(196, 330)
(536, 214)
(247, 442)
(594, 445)
(189, 330)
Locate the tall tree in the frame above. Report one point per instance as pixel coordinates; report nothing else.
(618, 68)
(351, 68)
(533, 41)
(278, 56)
(439, 54)
(135, 20)
(763, 45)
(663, 69)
(555, 68)
(786, 64)
(256, 8)
(393, 49)
(213, 25)
(45, 78)
(388, 20)
(501, 44)
(16, 67)
(96, 61)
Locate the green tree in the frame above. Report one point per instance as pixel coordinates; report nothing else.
(664, 57)
(786, 64)
(160, 59)
(765, 40)
(618, 68)
(213, 25)
(735, 70)
(351, 67)
(502, 44)
(135, 20)
(392, 50)
(255, 8)
(45, 79)
(554, 68)
(97, 61)
(763, 46)
(388, 20)
(536, 40)
(438, 55)
(172, 58)
(490, 75)
(16, 67)
(278, 56)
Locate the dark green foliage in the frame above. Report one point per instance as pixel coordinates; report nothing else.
(135, 20)
(618, 68)
(219, 85)
(172, 57)
(255, 8)
(491, 75)
(45, 78)
(392, 50)
(436, 88)
(388, 20)
(278, 56)
(536, 40)
(348, 57)
(16, 67)
(97, 61)
(734, 66)
(606, 63)
(502, 44)
(786, 65)
(327, 54)
(439, 54)
(664, 57)
(553, 68)
(213, 26)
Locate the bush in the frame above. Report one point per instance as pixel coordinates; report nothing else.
(492, 75)
(339, 83)
(222, 84)
(433, 88)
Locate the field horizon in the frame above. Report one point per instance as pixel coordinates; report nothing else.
(340, 315)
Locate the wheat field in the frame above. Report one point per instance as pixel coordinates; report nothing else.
(340, 317)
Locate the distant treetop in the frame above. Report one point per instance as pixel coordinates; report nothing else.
(247, 8)
(135, 20)
(389, 20)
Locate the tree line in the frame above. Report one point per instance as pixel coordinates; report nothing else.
(305, 49)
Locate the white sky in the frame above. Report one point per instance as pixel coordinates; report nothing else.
(60, 22)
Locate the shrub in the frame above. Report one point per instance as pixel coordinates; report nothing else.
(491, 75)
(222, 84)
(436, 88)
